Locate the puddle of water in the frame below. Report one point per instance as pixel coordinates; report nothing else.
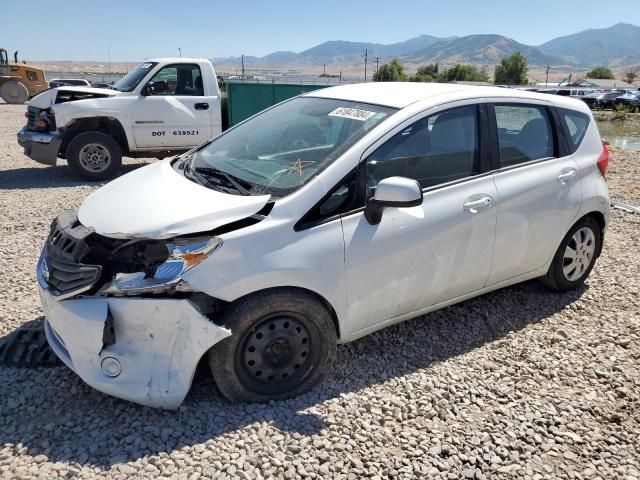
(621, 135)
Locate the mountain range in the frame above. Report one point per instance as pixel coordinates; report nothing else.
(614, 46)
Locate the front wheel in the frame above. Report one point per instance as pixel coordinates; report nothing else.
(575, 256)
(94, 156)
(283, 343)
(14, 92)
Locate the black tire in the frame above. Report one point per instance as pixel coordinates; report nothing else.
(14, 92)
(283, 344)
(94, 156)
(556, 277)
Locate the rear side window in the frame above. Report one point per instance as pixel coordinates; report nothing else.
(524, 133)
(575, 125)
(32, 76)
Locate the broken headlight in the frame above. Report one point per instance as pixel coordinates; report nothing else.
(184, 254)
(45, 121)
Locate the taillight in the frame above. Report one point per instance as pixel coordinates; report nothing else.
(603, 160)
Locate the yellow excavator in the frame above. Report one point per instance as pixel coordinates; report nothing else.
(19, 81)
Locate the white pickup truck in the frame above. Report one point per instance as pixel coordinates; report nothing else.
(161, 107)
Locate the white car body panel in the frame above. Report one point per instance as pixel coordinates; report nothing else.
(158, 344)
(425, 255)
(158, 202)
(414, 261)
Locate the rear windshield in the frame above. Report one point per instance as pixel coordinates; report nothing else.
(575, 125)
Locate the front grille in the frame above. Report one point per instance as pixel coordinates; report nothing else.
(66, 247)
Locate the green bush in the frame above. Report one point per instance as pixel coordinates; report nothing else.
(512, 70)
(464, 73)
(391, 72)
(620, 112)
(460, 72)
(602, 73)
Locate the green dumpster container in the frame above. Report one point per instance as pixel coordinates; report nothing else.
(242, 99)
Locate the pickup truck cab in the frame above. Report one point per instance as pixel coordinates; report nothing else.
(161, 107)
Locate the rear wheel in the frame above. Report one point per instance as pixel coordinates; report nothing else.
(13, 91)
(283, 344)
(94, 156)
(575, 256)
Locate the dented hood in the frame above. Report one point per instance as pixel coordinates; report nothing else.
(48, 97)
(158, 202)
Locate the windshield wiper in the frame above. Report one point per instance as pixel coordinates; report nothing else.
(211, 173)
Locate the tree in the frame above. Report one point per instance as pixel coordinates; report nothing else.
(426, 73)
(464, 73)
(631, 73)
(391, 72)
(600, 73)
(512, 70)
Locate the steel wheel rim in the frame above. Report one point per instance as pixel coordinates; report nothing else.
(277, 353)
(95, 157)
(578, 254)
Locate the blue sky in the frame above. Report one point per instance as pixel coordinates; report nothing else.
(84, 30)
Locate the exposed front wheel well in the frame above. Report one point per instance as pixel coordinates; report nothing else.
(324, 301)
(106, 125)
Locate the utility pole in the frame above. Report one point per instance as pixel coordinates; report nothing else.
(546, 83)
(180, 52)
(243, 66)
(340, 76)
(377, 62)
(108, 61)
(366, 55)
(324, 69)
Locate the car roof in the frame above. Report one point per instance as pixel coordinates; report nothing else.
(403, 94)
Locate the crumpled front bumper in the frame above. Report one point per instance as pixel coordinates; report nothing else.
(137, 349)
(41, 147)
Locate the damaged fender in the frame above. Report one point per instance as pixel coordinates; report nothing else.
(149, 357)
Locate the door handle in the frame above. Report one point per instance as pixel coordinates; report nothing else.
(474, 205)
(201, 106)
(565, 177)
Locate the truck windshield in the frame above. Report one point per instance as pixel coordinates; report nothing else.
(283, 148)
(132, 79)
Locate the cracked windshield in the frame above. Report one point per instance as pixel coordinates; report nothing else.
(283, 148)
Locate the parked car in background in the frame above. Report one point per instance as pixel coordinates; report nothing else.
(575, 92)
(629, 100)
(315, 222)
(102, 85)
(68, 82)
(602, 100)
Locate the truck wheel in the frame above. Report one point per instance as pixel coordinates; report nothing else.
(13, 91)
(283, 344)
(94, 156)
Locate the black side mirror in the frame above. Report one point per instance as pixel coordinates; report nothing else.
(399, 192)
(146, 91)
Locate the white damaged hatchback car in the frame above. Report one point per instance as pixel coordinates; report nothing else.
(315, 222)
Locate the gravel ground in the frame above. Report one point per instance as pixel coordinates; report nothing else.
(520, 383)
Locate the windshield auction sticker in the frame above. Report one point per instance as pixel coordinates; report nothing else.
(352, 113)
